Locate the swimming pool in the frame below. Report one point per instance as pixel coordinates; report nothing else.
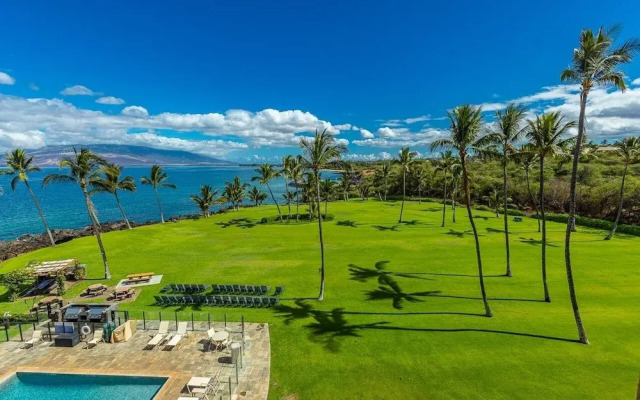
(28, 385)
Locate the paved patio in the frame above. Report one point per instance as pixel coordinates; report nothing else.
(129, 358)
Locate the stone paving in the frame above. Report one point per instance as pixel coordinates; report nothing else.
(191, 358)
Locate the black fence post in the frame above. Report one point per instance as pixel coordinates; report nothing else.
(225, 320)
(160, 315)
(209, 320)
(20, 329)
(126, 315)
(230, 389)
(242, 333)
(176, 317)
(6, 331)
(192, 326)
(144, 322)
(49, 329)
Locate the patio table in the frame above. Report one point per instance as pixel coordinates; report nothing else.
(198, 382)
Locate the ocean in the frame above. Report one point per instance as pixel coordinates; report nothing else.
(63, 204)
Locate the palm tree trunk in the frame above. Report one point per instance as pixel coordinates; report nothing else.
(547, 298)
(159, 205)
(297, 204)
(444, 199)
(326, 204)
(96, 232)
(122, 211)
(619, 213)
(286, 190)
(467, 193)
(506, 219)
(386, 188)
(582, 334)
(321, 295)
(533, 200)
(453, 203)
(404, 187)
(44, 220)
(275, 201)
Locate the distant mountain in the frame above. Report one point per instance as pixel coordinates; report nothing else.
(127, 155)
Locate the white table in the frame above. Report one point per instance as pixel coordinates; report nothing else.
(198, 382)
(219, 337)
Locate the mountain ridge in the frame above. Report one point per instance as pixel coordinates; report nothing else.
(126, 155)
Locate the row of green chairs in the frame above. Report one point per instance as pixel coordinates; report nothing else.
(185, 288)
(241, 289)
(218, 301)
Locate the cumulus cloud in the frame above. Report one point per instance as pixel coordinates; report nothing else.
(636, 82)
(110, 100)
(417, 119)
(77, 90)
(368, 157)
(387, 132)
(135, 111)
(54, 121)
(6, 79)
(365, 134)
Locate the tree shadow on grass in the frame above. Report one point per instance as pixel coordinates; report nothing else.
(362, 274)
(488, 298)
(393, 228)
(238, 222)
(535, 242)
(481, 217)
(414, 222)
(351, 224)
(329, 328)
(460, 234)
(433, 209)
(390, 290)
(494, 230)
(461, 275)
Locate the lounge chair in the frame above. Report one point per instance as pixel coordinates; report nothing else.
(279, 290)
(35, 338)
(175, 339)
(162, 335)
(97, 338)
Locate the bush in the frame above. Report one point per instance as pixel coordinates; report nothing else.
(302, 217)
(484, 208)
(594, 223)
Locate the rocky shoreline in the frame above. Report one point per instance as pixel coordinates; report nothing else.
(30, 242)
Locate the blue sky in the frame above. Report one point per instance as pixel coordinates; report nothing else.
(381, 73)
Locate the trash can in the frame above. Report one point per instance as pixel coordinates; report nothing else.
(235, 352)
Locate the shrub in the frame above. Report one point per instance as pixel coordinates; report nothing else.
(594, 223)
(302, 217)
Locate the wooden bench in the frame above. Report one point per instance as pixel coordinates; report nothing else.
(135, 278)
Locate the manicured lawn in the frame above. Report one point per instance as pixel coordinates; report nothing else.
(357, 345)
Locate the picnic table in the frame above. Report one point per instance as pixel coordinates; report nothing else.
(122, 292)
(141, 277)
(96, 289)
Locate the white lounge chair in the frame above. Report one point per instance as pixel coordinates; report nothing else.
(161, 336)
(175, 339)
(35, 338)
(97, 338)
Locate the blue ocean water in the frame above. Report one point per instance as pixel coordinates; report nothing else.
(63, 204)
(28, 386)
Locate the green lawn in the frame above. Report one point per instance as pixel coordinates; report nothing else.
(356, 344)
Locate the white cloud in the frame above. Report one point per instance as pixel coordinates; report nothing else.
(6, 79)
(365, 134)
(636, 82)
(343, 127)
(110, 100)
(34, 87)
(77, 90)
(368, 157)
(417, 119)
(135, 111)
(387, 132)
(58, 122)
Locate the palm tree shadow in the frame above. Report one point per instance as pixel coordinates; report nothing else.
(414, 222)
(460, 234)
(393, 228)
(535, 242)
(362, 274)
(461, 275)
(489, 298)
(390, 290)
(238, 222)
(433, 209)
(494, 230)
(481, 217)
(330, 328)
(351, 224)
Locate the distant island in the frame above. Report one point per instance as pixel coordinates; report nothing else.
(127, 155)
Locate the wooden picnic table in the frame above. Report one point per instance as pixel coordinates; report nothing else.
(141, 275)
(49, 300)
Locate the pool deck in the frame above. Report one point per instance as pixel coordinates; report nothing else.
(129, 358)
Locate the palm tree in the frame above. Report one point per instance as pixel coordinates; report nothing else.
(466, 123)
(296, 176)
(493, 201)
(508, 129)
(405, 158)
(527, 159)
(595, 63)
(318, 153)
(629, 151)
(83, 171)
(345, 184)
(286, 173)
(385, 172)
(288, 199)
(157, 178)
(327, 188)
(234, 192)
(205, 200)
(256, 195)
(419, 177)
(456, 177)
(266, 173)
(445, 163)
(545, 134)
(20, 165)
(110, 182)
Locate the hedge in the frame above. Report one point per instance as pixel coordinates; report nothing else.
(594, 223)
(302, 217)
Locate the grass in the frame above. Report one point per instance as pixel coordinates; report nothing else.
(402, 317)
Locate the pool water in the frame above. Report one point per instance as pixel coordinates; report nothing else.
(29, 386)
